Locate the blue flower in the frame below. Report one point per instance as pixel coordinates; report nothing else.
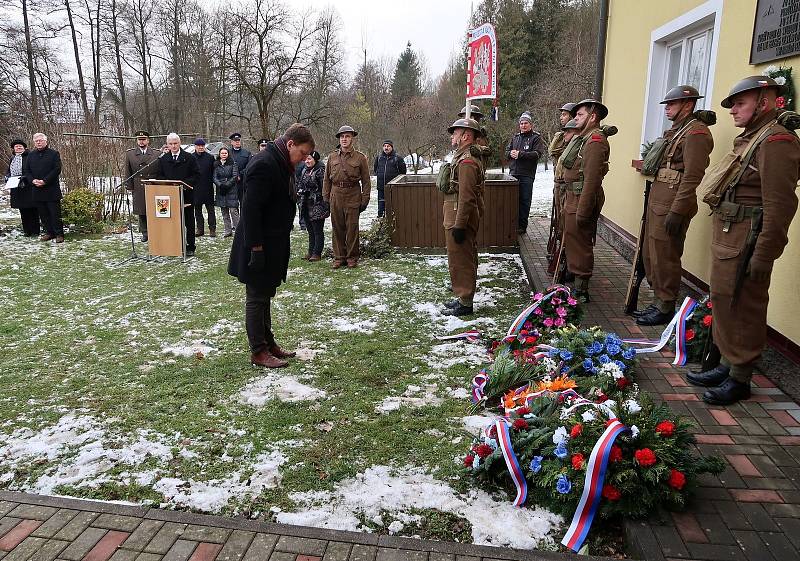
(563, 485)
(566, 355)
(604, 359)
(553, 353)
(561, 450)
(621, 365)
(536, 464)
(613, 339)
(595, 348)
(588, 365)
(613, 349)
(564, 369)
(629, 354)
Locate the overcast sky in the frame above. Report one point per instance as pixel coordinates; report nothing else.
(434, 27)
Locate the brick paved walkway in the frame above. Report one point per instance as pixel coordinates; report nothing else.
(750, 511)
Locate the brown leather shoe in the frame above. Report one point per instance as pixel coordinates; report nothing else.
(199, 233)
(46, 238)
(59, 239)
(265, 359)
(278, 352)
(314, 258)
(212, 232)
(352, 264)
(306, 257)
(337, 264)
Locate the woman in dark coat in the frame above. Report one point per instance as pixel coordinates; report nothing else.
(22, 195)
(313, 209)
(260, 252)
(226, 175)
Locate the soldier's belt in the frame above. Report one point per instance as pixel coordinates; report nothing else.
(731, 213)
(668, 175)
(345, 184)
(575, 186)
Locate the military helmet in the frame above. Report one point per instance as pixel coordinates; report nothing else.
(679, 93)
(572, 125)
(464, 123)
(750, 83)
(346, 128)
(600, 109)
(569, 108)
(474, 112)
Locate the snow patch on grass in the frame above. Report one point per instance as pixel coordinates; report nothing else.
(346, 325)
(274, 386)
(196, 348)
(414, 396)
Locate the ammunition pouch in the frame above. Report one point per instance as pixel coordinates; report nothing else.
(652, 160)
(575, 186)
(732, 213)
(670, 176)
(571, 152)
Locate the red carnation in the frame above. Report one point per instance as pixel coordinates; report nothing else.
(520, 424)
(611, 493)
(530, 340)
(468, 459)
(665, 428)
(709, 305)
(615, 455)
(495, 344)
(576, 431)
(707, 320)
(493, 432)
(623, 383)
(522, 411)
(601, 397)
(644, 457)
(780, 102)
(484, 450)
(689, 334)
(676, 479)
(527, 325)
(517, 353)
(577, 461)
(523, 332)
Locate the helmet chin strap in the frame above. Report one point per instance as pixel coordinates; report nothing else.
(756, 111)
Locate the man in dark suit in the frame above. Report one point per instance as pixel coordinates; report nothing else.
(260, 252)
(241, 156)
(44, 169)
(204, 190)
(179, 165)
(141, 159)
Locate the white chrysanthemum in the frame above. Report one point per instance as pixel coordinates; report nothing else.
(588, 416)
(634, 431)
(770, 69)
(476, 462)
(632, 406)
(612, 369)
(549, 364)
(560, 435)
(780, 80)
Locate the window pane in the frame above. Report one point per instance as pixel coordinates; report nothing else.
(696, 65)
(673, 66)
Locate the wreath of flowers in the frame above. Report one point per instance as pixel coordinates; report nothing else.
(698, 330)
(783, 76)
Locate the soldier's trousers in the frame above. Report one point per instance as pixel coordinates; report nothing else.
(662, 256)
(579, 240)
(344, 220)
(462, 260)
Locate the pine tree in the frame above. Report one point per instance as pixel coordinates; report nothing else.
(407, 73)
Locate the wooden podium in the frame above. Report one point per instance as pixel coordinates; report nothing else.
(166, 230)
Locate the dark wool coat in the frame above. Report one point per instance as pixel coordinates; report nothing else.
(225, 177)
(44, 164)
(22, 195)
(267, 214)
(185, 169)
(242, 157)
(309, 193)
(204, 190)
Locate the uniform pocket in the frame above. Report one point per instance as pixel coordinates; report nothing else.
(724, 266)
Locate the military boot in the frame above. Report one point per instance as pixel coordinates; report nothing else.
(661, 315)
(452, 304)
(710, 378)
(460, 309)
(728, 393)
(644, 311)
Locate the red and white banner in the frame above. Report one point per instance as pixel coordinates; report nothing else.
(482, 62)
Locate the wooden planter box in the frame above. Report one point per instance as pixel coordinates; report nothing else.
(415, 205)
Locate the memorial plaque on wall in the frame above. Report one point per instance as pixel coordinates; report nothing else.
(776, 32)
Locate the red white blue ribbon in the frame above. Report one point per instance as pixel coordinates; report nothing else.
(472, 336)
(592, 487)
(680, 335)
(504, 441)
(677, 325)
(478, 383)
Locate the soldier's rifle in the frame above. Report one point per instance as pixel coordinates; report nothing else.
(552, 240)
(637, 268)
(560, 270)
(756, 221)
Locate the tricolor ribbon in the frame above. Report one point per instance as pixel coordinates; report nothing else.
(472, 336)
(677, 325)
(592, 487)
(478, 383)
(504, 442)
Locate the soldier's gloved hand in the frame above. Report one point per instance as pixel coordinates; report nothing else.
(673, 224)
(257, 262)
(459, 235)
(759, 271)
(362, 208)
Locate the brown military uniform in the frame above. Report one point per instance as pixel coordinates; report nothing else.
(740, 329)
(347, 186)
(464, 209)
(134, 161)
(556, 148)
(584, 201)
(674, 190)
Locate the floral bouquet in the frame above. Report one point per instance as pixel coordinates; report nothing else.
(783, 77)
(590, 352)
(698, 331)
(557, 308)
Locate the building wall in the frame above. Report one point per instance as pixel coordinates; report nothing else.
(631, 23)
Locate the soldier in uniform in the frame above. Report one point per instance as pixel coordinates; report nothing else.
(142, 160)
(585, 163)
(569, 130)
(558, 143)
(347, 188)
(463, 209)
(749, 232)
(673, 202)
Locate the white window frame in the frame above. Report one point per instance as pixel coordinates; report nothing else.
(689, 24)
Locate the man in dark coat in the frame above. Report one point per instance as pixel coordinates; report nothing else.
(388, 165)
(260, 253)
(44, 169)
(22, 194)
(241, 156)
(524, 151)
(181, 166)
(141, 159)
(204, 190)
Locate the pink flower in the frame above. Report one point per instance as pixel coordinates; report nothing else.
(560, 322)
(571, 301)
(556, 301)
(538, 311)
(561, 311)
(538, 296)
(548, 322)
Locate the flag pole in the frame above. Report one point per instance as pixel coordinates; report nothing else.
(468, 108)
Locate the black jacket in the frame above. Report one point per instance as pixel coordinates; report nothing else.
(242, 157)
(44, 164)
(531, 147)
(185, 169)
(388, 167)
(267, 214)
(22, 195)
(204, 190)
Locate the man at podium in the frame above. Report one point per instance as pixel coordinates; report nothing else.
(176, 164)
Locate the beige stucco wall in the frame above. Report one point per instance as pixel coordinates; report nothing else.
(631, 23)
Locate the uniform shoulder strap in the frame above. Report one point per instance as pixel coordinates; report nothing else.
(672, 144)
(750, 150)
